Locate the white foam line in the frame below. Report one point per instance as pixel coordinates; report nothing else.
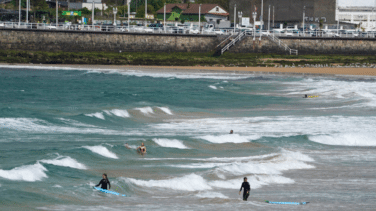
(145, 110)
(98, 115)
(28, 173)
(166, 110)
(171, 143)
(101, 150)
(65, 161)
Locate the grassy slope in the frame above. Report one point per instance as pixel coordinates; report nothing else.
(177, 59)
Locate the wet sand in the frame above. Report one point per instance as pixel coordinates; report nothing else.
(196, 69)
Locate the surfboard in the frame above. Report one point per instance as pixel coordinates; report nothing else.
(110, 192)
(280, 202)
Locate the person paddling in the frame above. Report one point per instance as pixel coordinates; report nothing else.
(142, 148)
(247, 188)
(104, 182)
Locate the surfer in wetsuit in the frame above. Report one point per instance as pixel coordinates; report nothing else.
(142, 148)
(104, 182)
(231, 132)
(246, 187)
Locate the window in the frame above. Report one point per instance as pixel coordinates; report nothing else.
(218, 21)
(217, 9)
(210, 19)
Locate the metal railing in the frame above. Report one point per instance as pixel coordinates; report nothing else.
(125, 28)
(275, 39)
(233, 42)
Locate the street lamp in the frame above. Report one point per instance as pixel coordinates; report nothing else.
(303, 20)
(234, 17)
(269, 20)
(19, 13)
(164, 17)
(146, 12)
(199, 18)
(240, 15)
(254, 14)
(338, 22)
(57, 13)
(114, 9)
(129, 13)
(92, 15)
(262, 18)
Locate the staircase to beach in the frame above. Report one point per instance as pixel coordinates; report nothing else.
(282, 45)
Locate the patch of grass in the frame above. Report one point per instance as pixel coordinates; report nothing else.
(177, 58)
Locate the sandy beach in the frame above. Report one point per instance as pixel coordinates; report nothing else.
(207, 69)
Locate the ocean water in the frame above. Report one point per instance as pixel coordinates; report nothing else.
(61, 129)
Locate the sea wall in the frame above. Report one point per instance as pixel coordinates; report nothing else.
(83, 41)
(309, 46)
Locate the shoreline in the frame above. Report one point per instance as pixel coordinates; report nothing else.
(325, 71)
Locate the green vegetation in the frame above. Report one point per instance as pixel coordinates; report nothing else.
(179, 59)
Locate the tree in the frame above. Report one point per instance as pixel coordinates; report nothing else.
(122, 10)
(223, 3)
(39, 4)
(141, 11)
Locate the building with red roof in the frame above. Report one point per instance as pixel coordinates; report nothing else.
(190, 12)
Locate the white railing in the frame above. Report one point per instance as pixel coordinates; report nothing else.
(333, 33)
(281, 44)
(233, 42)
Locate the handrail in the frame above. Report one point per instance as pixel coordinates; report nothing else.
(281, 44)
(231, 35)
(238, 38)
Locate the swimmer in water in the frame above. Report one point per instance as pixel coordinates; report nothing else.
(142, 148)
(127, 146)
(231, 132)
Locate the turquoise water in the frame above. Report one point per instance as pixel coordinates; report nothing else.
(61, 129)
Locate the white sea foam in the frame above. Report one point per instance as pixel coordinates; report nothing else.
(65, 161)
(120, 113)
(255, 181)
(166, 110)
(157, 74)
(98, 115)
(212, 87)
(172, 143)
(145, 110)
(346, 139)
(191, 182)
(229, 138)
(211, 195)
(278, 126)
(101, 150)
(29, 173)
(57, 186)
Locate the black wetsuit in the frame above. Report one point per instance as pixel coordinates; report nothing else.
(247, 188)
(104, 183)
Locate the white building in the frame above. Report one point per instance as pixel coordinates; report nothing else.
(365, 16)
(88, 4)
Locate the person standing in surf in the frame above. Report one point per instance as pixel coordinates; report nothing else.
(142, 148)
(104, 182)
(247, 188)
(231, 132)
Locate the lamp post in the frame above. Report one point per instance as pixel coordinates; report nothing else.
(240, 15)
(92, 15)
(303, 20)
(114, 9)
(146, 12)
(129, 13)
(262, 14)
(338, 22)
(273, 17)
(27, 11)
(269, 20)
(19, 13)
(254, 14)
(199, 18)
(234, 17)
(164, 17)
(57, 13)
